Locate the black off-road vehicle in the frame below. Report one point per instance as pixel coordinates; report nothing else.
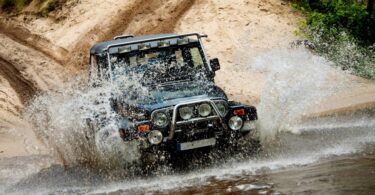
(183, 109)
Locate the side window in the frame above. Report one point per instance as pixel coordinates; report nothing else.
(196, 57)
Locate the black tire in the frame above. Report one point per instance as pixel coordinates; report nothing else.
(155, 162)
(239, 145)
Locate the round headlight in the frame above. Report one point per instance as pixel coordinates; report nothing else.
(204, 109)
(186, 112)
(235, 123)
(160, 119)
(155, 137)
(222, 108)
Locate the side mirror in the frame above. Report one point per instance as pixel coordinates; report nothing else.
(215, 65)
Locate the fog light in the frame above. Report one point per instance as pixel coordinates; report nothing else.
(155, 137)
(164, 44)
(235, 123)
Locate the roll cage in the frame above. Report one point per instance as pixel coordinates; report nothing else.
(101, 53)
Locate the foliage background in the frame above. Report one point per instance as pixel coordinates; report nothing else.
(43, 7)
(343, 31)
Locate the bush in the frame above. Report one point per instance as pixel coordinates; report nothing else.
(13, 4)
(43, 7)
(344, 50)
(349, 15)
(343, 31)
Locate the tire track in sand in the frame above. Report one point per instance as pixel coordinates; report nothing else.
(23, 87)
(36, 42)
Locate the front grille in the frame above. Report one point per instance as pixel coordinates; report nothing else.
(195, 127)
(196, 122)
(187, 135)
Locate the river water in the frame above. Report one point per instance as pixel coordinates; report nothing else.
(320, 161)
(331, 155)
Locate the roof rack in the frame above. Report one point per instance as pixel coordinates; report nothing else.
(199, 36)
(123, 37)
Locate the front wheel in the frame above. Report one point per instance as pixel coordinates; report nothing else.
(154, 162)
(239, 144)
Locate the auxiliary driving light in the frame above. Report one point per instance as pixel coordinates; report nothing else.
(204, 109)
(164, 44)
(125, 49)
(144, 46)
(235, 123)
(155, 137)
(186, 112)
(182, 41)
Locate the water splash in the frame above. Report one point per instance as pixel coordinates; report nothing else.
(295, 81)
(59, 120)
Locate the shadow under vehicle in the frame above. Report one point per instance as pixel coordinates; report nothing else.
(183, 110)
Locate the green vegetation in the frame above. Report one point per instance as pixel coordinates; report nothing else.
(342, 31)
(43, 7)
(13, 4)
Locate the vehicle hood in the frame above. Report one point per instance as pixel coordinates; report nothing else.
(176, 93)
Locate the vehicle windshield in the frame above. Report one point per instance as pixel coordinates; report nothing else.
(159, 64)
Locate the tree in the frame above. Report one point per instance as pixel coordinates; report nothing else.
(370, 7)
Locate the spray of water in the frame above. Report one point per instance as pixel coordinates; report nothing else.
(59, 120)
(295, 82)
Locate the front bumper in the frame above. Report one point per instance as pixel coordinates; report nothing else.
(199, 132)
(201, 138)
